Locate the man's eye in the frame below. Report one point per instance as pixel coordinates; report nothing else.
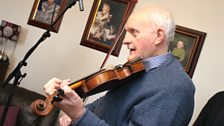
(134, 32)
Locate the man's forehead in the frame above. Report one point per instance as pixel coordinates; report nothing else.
(135, 19)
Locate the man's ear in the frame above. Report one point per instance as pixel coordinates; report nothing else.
(160, 36)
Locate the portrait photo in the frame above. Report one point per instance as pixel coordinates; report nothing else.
(186, 47)
(45, 12)
(105, 23)
(181, 47)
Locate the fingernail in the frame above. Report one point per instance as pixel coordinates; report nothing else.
(69, 80)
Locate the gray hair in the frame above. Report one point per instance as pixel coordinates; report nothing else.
(162, 18)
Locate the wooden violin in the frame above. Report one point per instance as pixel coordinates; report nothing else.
(92, 84)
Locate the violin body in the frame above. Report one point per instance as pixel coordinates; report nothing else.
(93, 84)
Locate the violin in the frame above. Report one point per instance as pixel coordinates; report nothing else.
(92, 84)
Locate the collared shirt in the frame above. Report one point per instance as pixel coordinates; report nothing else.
(156, 61)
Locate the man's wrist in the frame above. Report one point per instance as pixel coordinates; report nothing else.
(77, 118)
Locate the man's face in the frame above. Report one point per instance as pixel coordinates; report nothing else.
(140, 37)
(180, 44)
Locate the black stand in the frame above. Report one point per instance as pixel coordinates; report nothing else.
(17, 71)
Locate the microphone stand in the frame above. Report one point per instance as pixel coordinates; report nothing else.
(16, 73)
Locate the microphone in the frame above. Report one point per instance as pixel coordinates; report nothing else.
(81, 7)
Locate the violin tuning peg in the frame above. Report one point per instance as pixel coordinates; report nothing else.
(60, 92)
(118, 66)
(56, 98)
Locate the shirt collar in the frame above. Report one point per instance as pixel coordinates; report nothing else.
(156, 61)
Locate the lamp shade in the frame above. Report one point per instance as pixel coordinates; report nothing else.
(9, 30)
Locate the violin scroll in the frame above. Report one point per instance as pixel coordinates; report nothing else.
(41, 107)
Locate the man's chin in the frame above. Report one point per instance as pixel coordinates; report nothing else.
(131, 57)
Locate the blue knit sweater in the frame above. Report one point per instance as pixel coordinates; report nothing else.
(163, 95)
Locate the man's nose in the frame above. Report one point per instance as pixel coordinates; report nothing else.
(127, 38)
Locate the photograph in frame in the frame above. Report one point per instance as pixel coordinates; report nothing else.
(45, 12)
(105, 23)
(186, 47)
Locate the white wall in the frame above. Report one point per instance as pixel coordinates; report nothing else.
(62, 56)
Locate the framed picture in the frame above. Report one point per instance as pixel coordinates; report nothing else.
(45, 12)
(105, 24)
(186, 47)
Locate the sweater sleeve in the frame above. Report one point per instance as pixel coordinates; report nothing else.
(90, 119)
(92, 106)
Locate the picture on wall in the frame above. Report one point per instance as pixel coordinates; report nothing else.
(186, 47)
(45, 12)
(105, 24)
